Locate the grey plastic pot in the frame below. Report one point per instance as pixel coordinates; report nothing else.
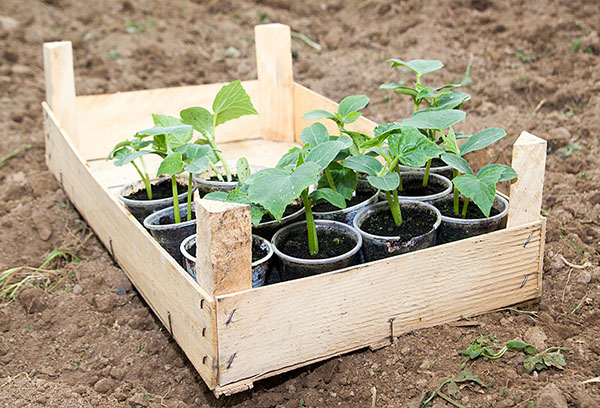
(205, 185)
(268, 228)
(260, 267)
(140, 209)
(444, 170)
(416, 177)
(379, 247)
(170, 235)
(293, 268)
(347, 215)
(453, 229)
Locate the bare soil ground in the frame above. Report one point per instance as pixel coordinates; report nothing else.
(85, 338)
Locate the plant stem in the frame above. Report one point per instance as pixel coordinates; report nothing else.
(465, 205)
(330, 179)
(212, 144)
(175, 200)
(400, 188)
(313, 242)
(426, 176)
(394, 207)
(189, 198)
(217, 173)
(456, 197)
(145, 179)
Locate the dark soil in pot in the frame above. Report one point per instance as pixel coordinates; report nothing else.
(446, 207)
(169, 235)
(416, 222)
(365, 195)
(331, 244)
(437, 187)
(160, 190)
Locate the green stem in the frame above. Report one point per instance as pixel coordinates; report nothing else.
(330, 179)
(189, 198)
(426, 176)
(216, 171)
(313, 243)
(145, 180)
(175, 200)
(456, 197)
(394, 207)
(400, 187)
(465, 206)
(220, 157)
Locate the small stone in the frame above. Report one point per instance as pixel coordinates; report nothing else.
(584, 277)
(77, 290)
(104, 303)
(291, 388)
(138, 400)
(104, 385)
(421, 383)
(8, 23)
(33, 300)
(333, 394)
(504, 322)
(563, 133)
(425, 365)
(551, 397)
(546, 318)
(536, 337)
(20, 69)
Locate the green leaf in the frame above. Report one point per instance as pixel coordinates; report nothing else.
(344, 180)
(438, 120)
(520, 345)
(418, 66)
(412, 148)
(352, 117)
(197, 166)
(125, 156)
(318, 114)
(457, 162)
(242, 168)
(275, 188)
(388, 182)
(555, 359)
(450, 142)
(392, 85)
(200, 119)
(192, 151)
(171, 165)
(364, 164)
(452, 100)
(289, 160)
(216, 196)
(327, 194)
(166, 120)
(481, 140)
(508, 173)
(231, 102)
(239, 197)
(314, 134)
(352, 104)
(380, 133)
(324, 153)
(481, 190)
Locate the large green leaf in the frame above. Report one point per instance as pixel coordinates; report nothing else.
(352, 104)
(165, 120)
(481, 140)
(314, 134)
(508, 173)
(481, 188)
(231, 102)
(438, 120)
(200, 119)
(324, 153)
(275, 188)
(327, 194)
(171, 165)
(192, 151)
(380, 133)
(418, 66)
(318, 114)
(364, 164)
(198, 165)
(388, 182)
(412, 148)
(239, 197)
(344, 180)
(456, 162)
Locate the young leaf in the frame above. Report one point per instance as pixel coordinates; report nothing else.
(192, 151)
(450, 142)
(328, 195)
(200, 119)
(180, 131)
(363, 164)
(380, 133)
(555, 359)
(171, 165)
(392, 85)
(481, 140)
(198, 166)
(438, 120)
(242, 169)
(318, 114)
(352, 117)
(456, 162)
(231, 102)
(508, 173)
(418, 66)
(165, 120)
(352, 104)
(481, 188)
(125, 156)
(388, 182)
(289, 160)
(314, 134)
(520, 345)
(324, 153)
(240, 197)
(345, 180)
(452, 100)
(412, 148)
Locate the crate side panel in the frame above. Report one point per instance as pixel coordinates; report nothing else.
(104, 120)
(306, 100)
(177, 300)
(284, 325)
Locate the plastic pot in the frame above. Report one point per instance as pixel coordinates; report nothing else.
(379, 246)
(260, 267)
(347, 214)
(442, 169)
(205, 185)
(140, 209)
(293, 268)
(415, 178)
(453, 229)
(266, 229)
(168, 234)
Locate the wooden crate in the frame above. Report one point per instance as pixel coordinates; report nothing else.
(235, 335)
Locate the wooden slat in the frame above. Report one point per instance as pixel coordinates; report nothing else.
(165, 286)
(60, 86)
(275, 81)
(529, 160)
(108, 119)
(298, 322)
(223, 246)
(306, 100)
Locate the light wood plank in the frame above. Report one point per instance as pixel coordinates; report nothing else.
(292, 323)
(306, 100)
(60, 86)
(529, 161)
(108, 119)
(165, 286)
(275, 81)
(223, 246)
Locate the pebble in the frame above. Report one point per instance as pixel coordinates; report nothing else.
(8, 23)
(584, 277)
(104, 385)
(421, 383)
(536, 337)
(77, 290)
(551, 397)
(425, 365)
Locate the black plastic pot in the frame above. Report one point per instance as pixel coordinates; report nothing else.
(347, 214)
(454, 229)
(260, 267)
(415, 178)
(294, 268)
(140, 209)
(266, 229)
(169, 235)
(378, 246)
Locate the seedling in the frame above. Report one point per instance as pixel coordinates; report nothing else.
(485, 345)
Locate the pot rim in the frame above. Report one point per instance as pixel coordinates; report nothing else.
(232, 166)
(422, 169)
(165, 211)
(283, 219)
(192, 240)
(318, 223)
(430, 197)
(148, 203)
(376, 207)
(471, 221)
(355, 207)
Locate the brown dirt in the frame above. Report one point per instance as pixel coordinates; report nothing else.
(93, 342)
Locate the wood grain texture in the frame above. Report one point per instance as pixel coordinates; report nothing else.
(306, 100)
(309, 319)
(275, 81)
(60, 86)
(108, 119)
(165, 286)
(529, 161)
(223, 246)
